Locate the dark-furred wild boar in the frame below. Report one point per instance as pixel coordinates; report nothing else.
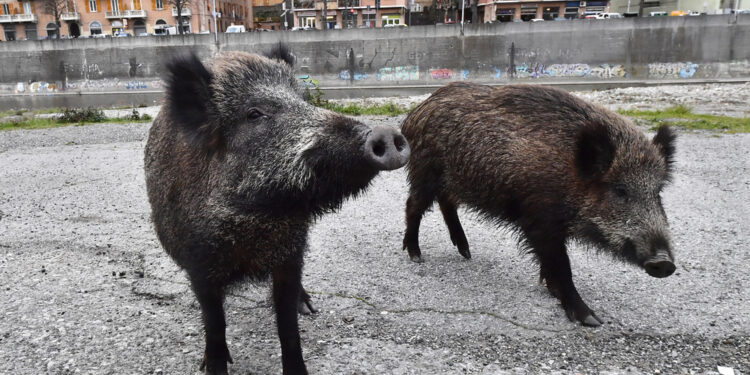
(548, 164)
(237, 166)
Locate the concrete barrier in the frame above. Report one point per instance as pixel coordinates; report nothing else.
(669, 48)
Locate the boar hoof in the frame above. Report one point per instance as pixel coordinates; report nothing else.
(416, 258)
(464, 251)
(587, 318)
(215, 367)
(305, 306)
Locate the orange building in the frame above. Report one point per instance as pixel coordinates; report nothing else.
(343, 14)
(31, 20)
(526, 10)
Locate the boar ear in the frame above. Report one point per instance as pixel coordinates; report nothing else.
(665, 138)
(189, 96)
(281, 52)
(594, 151)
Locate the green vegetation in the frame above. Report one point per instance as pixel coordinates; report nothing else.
(683, 117)
(315, 97)
(67, 117)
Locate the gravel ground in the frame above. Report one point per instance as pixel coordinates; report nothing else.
(86, 288)
(717, 99)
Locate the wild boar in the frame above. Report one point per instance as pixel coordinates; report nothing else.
(549, 165)
(237, 167)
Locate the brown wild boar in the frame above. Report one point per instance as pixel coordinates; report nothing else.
(238, 166)
(550, 166)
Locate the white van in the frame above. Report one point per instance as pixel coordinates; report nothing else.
(236, 29)
(604, 16)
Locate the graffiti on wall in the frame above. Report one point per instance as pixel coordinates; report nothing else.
(398, 73)
(346, 76)
(35, 88)
(538, 70)
(307, 82)
(441, 73)
(672, 70)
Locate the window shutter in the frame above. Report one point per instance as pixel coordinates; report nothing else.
(119, 5)
(153, 4)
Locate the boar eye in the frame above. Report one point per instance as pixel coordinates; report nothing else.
(620, 192)
(255, 114)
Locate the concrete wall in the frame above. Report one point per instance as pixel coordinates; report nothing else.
(634, 48)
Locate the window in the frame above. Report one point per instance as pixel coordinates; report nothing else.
(161, 27)
(392, 19)
(6, 10)
(115, 6)
(92, 6)
(30, 30)
(159, 4)
(571, 12)
(10, 32)
(506, 14)
(550, 13)
(26, 7)
(368, 20)
(51, 30)
(95, 28)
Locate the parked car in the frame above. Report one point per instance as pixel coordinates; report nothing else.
(676, 13)
(537, 19)
(657, 14)
(590, 17)
(604, 16)
(395, 25)
(693, 13)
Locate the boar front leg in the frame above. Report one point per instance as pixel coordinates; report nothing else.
(555, 270)
(287, 290)
(211, 299)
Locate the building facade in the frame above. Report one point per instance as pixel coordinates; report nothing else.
(34, 19)
(344, 14)
(514, 10)
(267, 14)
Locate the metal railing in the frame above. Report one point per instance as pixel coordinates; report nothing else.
(70, 16)
(8, 18)
(185, 12)
(126, 14)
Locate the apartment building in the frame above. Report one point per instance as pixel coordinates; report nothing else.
(32, 20)
(526, 10)
(344, 14)
(267, 14)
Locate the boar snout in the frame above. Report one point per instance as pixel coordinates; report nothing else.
(659, 265)
(386, 149)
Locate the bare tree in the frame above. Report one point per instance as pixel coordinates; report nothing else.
(180, 5)
(55, 8)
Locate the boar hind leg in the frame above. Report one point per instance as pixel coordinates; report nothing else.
(305, 306)
(450, 215)
(555, 270)
(419, 201)
(211, 299)
(287, 289)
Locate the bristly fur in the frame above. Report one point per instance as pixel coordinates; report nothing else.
(244, 213)
(545, 164)
(281, 52)
(190, 103)
(665, 138)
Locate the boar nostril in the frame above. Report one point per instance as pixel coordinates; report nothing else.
(378, 148)
(400, 142)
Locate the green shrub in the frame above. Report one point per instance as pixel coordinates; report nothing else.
(81, 115)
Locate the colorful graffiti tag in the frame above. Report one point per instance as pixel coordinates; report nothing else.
(398, 73)
(306, 82)
(441, 73)
(346, 76)
(538, 70)
(672, 70)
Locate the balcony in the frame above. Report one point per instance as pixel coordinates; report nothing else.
(185, 12)
(10, 18)
(349, 4)
(126, 14)
(70, 16)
